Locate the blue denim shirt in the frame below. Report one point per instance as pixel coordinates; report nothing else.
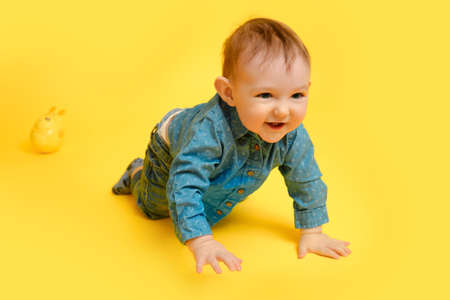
(217, 163)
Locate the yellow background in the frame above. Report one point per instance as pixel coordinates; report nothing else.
(377, 117)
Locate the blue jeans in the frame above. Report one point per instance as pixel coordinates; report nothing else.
(148, 185)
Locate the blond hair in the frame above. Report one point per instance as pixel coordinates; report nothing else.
(261, 35)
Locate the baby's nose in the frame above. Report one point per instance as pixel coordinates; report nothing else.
(281, 111)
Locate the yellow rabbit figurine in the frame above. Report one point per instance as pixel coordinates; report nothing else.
(47, 133)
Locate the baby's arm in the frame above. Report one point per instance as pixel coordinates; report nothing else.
(303, 179)
(206, 250)
(198, 152)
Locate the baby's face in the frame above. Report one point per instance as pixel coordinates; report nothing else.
(270, 101)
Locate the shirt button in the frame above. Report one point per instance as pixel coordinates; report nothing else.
(241, 191)
(256, 147)
(229, 204)
(250, 173)
(219, 212)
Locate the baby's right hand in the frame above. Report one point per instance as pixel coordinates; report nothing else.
(206, 250)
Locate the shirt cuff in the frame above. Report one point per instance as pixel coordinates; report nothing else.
(311, 218)
(192, 227)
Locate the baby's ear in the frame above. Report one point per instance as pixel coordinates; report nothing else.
(223, 88)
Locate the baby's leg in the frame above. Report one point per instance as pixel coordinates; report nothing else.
(123, 185)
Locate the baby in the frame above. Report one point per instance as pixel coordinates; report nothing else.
(203, 161)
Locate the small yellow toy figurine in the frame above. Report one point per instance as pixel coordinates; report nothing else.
(47, 133)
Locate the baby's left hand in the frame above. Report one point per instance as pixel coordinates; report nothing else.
(322, 244)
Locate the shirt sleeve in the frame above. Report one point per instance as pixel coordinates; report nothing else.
(189, 175)
(303, 180)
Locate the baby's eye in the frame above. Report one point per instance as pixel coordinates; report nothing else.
(298, 95)
(266, 95)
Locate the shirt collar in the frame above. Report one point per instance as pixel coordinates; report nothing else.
(232, 117)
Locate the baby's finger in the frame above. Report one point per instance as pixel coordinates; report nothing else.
(302, 252)
(340, 251)
(200, 264)
(228, 260)
(215, 265)
(237, 261)
(348, 250)
(328, 253)
(346, 243)
(332, 253)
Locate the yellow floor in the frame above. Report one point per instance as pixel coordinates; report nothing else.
(377, 116)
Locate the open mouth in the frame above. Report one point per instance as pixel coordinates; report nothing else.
(275, 125)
